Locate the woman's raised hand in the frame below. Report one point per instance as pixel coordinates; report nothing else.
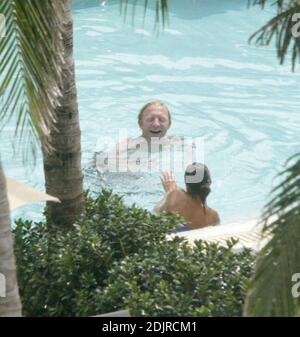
(168, 181)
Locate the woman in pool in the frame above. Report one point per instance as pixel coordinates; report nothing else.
(191, 204)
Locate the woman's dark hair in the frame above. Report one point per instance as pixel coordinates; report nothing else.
(197, 179)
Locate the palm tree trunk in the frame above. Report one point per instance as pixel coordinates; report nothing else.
(62, 167)
(10, 305)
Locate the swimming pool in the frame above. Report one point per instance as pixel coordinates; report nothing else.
(235, 96)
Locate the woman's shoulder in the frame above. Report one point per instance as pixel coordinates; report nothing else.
(177, 192)
(213, 215)
(175, 195)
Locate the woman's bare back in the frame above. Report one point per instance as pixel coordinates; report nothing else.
(191, 209)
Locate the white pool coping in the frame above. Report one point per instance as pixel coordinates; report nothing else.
(248, 233)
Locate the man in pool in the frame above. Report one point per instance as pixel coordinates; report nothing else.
(132, 154)
(154, 120)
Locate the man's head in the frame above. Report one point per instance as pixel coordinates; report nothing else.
(154, 119)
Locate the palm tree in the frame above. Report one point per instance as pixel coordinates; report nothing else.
(42, 34)
(31, 58)
(10, 305)
(270, 290)
(30, 68)
(53, 103)
(281, 29)
(38, 81)
(161, 9)
(62, 166)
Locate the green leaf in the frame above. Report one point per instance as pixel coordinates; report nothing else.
(31, 58)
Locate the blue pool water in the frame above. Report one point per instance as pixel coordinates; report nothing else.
(218, 87)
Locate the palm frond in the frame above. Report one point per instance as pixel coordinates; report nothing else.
(280, 29)
(30, 67)
(270, 291)
(262, 3)
(161, 10)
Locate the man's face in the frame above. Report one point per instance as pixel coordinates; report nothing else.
(155, 122)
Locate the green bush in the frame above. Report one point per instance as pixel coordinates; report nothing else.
(61, 270)
(174, 279)
(118, 257)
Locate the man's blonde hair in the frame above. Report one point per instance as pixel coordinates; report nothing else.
(157, 102)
